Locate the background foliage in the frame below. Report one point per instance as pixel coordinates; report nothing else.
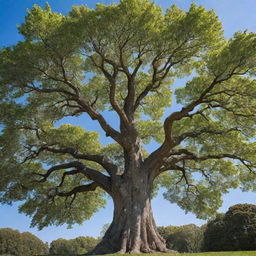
(186, 238)
(79, 245)
(233, 231)
(26, 244)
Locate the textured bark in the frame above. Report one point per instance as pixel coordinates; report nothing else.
(133, 229)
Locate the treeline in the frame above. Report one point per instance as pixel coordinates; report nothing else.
(79, 245)
(186, 238)
(233, 231)
(14, 243)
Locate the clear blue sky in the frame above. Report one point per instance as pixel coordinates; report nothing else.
(234, 14)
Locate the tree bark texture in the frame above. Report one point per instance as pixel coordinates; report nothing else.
(133, 229)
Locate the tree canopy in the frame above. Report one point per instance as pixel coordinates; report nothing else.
(233, 231)
(124, 58)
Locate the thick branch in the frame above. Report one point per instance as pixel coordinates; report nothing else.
(98, 177)
(112, 81)
(103, 123)
(102, 180)
(68, 173)
(75, 164)
(156, 157)
(83, 188)
(102, 160)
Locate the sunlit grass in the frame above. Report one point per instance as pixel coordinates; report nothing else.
(248, 253)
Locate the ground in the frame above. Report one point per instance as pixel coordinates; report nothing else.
(249, 253)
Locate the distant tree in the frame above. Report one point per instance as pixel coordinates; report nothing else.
(61, 246)
(84, 244)
(124, 58)
(10, 241)
(15, 243)
(186, 238)
(215, 235)
(32, 245)
(74, 246)
(233, 231)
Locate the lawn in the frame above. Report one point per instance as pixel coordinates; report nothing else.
(248, 253)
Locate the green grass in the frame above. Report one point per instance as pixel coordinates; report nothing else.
(248, 253)
(251, 253)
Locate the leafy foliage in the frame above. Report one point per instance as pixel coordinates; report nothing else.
(233, 231)
(124, 58)
(15, 243)
(79, 245)
(186, 238)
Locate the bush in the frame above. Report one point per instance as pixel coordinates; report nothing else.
(79, 245)
(233, 231)
(187, 238)
(215, 235)
(15, 243)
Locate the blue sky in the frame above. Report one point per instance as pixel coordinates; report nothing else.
(234, 14)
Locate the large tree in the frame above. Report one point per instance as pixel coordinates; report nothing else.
(123, 58)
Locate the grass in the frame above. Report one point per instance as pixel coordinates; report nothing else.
(248, 253)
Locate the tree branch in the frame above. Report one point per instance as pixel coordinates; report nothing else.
(102, 180)
(100, 159)
(156, 157)
(112, 81)
(156, 70)
(103, 123)
(82, 188)
(187, 155)
(195, 134)
(68, 173)
(85, 106)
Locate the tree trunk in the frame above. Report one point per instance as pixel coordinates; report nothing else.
(133, 229)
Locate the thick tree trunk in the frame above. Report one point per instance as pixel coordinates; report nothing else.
(133, 229)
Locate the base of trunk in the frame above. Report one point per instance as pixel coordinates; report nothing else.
(133, 229)
(101, 250)
(132, 232)
(106, 247)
